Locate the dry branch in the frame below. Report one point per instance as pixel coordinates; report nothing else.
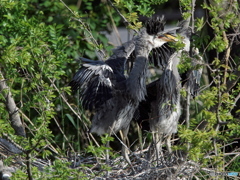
(11, 107)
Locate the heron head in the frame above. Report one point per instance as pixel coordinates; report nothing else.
(160, 39)
(156, 34)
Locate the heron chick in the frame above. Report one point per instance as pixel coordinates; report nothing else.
(104, 88)
(162, 105)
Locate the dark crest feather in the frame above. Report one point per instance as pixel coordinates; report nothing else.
(155, 25)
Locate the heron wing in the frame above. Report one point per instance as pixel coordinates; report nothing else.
(95, 81)
(194, 82)
(194, 76)
(121, 55)
(159, 57)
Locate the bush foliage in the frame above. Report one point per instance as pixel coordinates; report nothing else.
(39, 44)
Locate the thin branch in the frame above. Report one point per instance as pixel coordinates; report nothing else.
(79, 2)
(70, 107)
(30, 130)
(114, 26)
(235, 101)
(234, 158)
(219, 102)
(227, 55)
(120, 140)
(125, 21)
(187, 115)
(101, 53)
(192, 14)
(226, 58)
(65, 100)
(93, 40)
(65, 137)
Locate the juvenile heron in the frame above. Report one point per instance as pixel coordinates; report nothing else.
(162, 103)
(105, 89)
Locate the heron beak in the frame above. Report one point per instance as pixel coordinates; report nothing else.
(169, 38)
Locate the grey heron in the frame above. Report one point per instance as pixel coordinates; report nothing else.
(104, 88)
(162, 104)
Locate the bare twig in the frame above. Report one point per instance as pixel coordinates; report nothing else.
(70, 107)
(226, 57)
(192, 14)
(59, 127)
(92, 39)
(234, 158)
(101, 53)
(187, 116)
(114, 27)
(65, 100)
(30, 130)
(125, 21)
(227, 53)
(235, 101)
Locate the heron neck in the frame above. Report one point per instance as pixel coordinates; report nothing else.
(173, 63)
(136, 82)
(174, 60)
(143, 45)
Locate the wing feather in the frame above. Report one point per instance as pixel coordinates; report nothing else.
(95, 79)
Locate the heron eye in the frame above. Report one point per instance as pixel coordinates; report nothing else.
(161, 36)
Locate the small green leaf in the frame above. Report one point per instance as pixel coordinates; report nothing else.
(71, 120)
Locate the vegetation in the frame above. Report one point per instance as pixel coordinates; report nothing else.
(39, 44)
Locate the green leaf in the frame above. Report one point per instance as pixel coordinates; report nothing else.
(71, 120)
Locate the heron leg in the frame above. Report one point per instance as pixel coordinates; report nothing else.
(168, 143)
(107, 156)
(123, 134)
(150, 153)
(152, 150)
(158, 145)
(107, 152)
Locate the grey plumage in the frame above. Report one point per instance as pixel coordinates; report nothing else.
(159, 56)
(166, 108)
(168, 98)
(105, 89)
(163, 95)
(169, 85)
(98, 80)
(194, 75)
(101, 84)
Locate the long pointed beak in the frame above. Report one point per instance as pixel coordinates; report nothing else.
(168, 38)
